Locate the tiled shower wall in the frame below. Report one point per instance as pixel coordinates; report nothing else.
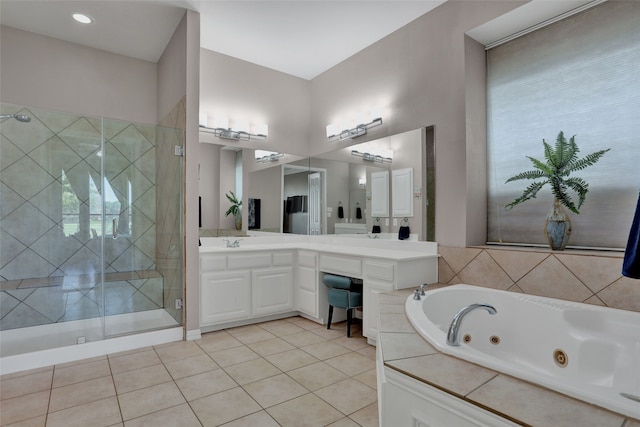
(33, 158)
(582, 276)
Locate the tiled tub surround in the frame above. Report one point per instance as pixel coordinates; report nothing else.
(591, 277)
(402, 350)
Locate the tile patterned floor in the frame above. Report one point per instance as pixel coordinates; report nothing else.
(289, 372)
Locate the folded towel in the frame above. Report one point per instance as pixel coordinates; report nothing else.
(340, 212)
(358, 213)
(631, 263)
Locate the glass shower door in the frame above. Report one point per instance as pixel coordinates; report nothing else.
(142, 265)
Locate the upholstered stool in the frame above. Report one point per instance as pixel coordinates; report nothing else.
(341, 295)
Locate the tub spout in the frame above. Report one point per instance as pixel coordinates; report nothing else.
(453, 337)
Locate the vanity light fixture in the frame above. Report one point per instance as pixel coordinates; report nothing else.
(334, 132)
(371, 157)
(241, 128)
(267, 156)
(82, 18)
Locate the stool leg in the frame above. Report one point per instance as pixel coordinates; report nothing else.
(330, 316)
(349, 315)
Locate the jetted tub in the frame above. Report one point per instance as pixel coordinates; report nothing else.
(589, 352)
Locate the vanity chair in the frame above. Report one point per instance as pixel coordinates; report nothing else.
(343, 293)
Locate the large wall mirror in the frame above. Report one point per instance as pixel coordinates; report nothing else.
(332, 193)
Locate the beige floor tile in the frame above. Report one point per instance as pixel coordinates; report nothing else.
(250, 334)
(31, 422)
(305, 411)
(23, 407)
(180, 415)
(80, 362)
(216, 341)
(302, 339)
(369, 352)
(253, 370)
(137, 360)
(368, 378)
(81, 372)
(325, 350)
(351, 363)
(316, 376)
(205, 384)
(305, 323)
(269, 347)
(27, 384)
(344, 422)
(178, 350)
(291, 359)
(329, 334)
(367, 417)
(356, 342)
(234, 355)
(190, 366)
(259, 419)
(148, 400)
(274, 390)
(348, 396)
(105, 412)
(141, 378)
(129, 352)
(281, 328)
(77, 394)
(223, 407)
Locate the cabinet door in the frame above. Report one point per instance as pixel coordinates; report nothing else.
(372, 288)
(307, 290)
(224, 297)
(402, 192)
(380, 194)
(272, 290)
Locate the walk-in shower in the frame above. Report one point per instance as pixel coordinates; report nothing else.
(90, 232)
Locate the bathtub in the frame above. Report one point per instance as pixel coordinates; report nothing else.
(588, 352)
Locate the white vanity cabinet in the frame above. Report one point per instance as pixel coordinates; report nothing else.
(307, 283)
(237, 287)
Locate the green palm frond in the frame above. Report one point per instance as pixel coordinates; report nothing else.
(235, 204)
(560, 161)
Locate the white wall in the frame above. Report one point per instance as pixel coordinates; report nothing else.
(44, 72)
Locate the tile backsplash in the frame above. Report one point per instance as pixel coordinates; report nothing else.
(582, 276)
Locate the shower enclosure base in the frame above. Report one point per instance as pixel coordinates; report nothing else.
(45, 345)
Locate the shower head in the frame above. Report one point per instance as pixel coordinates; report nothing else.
(18, 117)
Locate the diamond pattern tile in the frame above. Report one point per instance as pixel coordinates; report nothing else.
(10, 153)
(54, 156)
(26, 184)
(131, 143)
(36, 132)
(10, 200)
(82, 137)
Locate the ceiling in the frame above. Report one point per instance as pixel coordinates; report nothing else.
(299, 37)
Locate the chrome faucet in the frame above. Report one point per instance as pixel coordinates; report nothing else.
(452, 336)
(234, 244)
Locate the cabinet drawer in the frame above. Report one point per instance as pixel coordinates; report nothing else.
(283, 258)
(256, 259)
(307, 259)
(349, 266)
(213, 262)
(379, 270)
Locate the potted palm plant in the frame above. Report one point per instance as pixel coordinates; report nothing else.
(235, 209)
(560, 161)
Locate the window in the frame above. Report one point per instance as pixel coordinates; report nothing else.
(579, 76)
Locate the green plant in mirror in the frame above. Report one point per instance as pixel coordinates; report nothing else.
(234, 209)
(560, 161)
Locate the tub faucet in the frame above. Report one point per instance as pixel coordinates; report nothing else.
(234, 244)
(452, 337)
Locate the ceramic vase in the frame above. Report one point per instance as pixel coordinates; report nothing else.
(557, 227)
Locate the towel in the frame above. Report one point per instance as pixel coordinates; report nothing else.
(404, 232)
(358, 213)
(631, 263)
(376, 229)
(340, 212)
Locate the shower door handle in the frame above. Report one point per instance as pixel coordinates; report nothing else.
(114, 225)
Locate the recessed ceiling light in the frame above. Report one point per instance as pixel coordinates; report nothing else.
(82, 18)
